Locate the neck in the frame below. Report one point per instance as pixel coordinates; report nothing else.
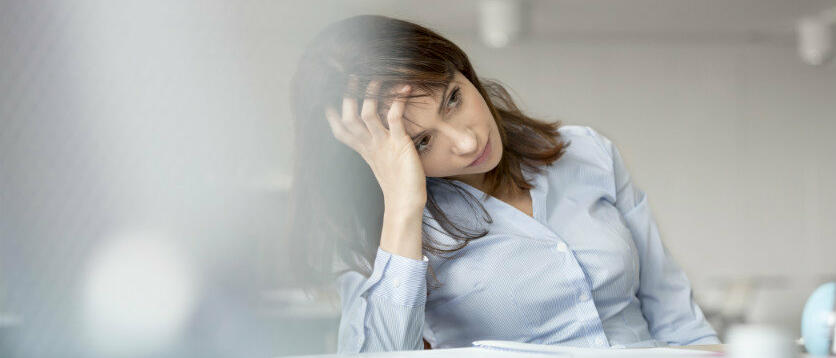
(478, 181)
(475, 180)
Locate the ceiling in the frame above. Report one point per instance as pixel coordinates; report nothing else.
(590, 19)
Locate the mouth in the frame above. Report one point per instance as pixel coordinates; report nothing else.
(485, 153)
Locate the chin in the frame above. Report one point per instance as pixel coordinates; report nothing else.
(487, 166)
(492, 167)
(497, 157)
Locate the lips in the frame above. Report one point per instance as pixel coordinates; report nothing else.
(485, 152)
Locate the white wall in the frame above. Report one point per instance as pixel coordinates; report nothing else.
(733, 142)
(718, 119)
(176, 118)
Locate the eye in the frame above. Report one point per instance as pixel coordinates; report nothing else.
(455, 98)
(422, 145)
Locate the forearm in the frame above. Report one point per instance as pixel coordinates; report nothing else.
(401, 232)
(385, 311)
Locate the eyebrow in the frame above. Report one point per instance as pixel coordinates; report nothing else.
(440, 108)
(386, 125)
(443, 98)
(417, 125)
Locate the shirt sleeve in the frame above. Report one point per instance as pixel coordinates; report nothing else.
(667, 301)
(385, 311)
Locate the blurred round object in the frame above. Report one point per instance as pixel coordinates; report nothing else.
(815, 40)
(819, 319)
(760, 341)
(138, 294)
(501, 21)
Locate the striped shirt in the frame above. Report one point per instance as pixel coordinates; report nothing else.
(589, 269)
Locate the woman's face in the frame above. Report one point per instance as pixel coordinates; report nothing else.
(454, 132)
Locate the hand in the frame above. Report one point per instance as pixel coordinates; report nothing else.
(391, 154)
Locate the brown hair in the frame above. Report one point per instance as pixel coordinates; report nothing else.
(336, 204)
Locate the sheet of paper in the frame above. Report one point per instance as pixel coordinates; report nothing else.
(567, 351)
(470, 352)
(506, 349)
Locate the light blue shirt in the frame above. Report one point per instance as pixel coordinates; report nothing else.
(589, 269)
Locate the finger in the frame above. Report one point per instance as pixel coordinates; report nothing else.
(350, 113)
(396, 111)
(350, 120)
(369, 111)
(349, 103)
(337, 127)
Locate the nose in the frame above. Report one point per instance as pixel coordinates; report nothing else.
(464, 141)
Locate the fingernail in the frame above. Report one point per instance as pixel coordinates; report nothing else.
(405, 89)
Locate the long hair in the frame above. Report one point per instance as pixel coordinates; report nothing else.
(336, 205)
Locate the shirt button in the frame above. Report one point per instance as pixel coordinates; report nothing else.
(396, 282)
(584, 296)
(562, 247)
(599, 341)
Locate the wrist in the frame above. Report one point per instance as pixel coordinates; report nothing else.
(402, 233)
(404, 207)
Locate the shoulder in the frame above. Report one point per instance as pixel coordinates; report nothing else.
(586, 144)
(585, 133)
(586, 165)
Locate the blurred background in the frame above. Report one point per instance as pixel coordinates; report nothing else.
(145, 152)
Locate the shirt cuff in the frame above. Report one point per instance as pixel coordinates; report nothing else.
(403, 280)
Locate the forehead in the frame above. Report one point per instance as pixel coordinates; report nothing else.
(421, 112)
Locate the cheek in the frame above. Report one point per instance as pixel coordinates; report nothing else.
(438, 165)
(478, 111)
(433, 167)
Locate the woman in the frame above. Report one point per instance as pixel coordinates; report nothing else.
(475, 220)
